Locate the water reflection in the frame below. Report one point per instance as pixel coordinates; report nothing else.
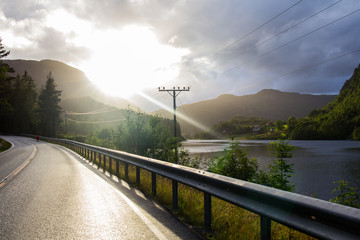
(317, 164)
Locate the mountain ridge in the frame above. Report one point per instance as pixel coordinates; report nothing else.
(71, 81)
(269, 104)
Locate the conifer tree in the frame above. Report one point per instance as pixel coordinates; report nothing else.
(281, 169)
(48, 108)
(23, 101)
(5, 90)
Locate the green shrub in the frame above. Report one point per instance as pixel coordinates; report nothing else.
(5, 145)
(280, 169)
(356, 134)
(347, 195)
(235, 164)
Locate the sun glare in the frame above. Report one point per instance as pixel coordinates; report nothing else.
(127, 61)
(123, 61)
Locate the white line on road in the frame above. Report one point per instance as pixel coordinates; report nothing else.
(148, 223)
(21, 167)
(151, 226)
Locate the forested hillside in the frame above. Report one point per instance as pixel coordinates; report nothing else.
(72, 82)
(268, 104)
(340, 119)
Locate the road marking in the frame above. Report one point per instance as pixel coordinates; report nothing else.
(21, 167)
(12, 145)
(146, 220)
(150, 225)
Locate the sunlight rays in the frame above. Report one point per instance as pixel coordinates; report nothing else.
(120, 61)
(178, 114)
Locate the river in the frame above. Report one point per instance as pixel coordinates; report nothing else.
(317, 164)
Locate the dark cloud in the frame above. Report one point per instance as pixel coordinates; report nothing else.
(105, 14)
(327, 43)
(209, 29)
(22, 9)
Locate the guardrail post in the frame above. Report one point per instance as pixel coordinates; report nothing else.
(174, 194)
(104, 163)
(137, 175)
(207, 212)
(117, 168)
(126, 171)
(110, 165)
(98, 166)
(265, 228)
(153, 183)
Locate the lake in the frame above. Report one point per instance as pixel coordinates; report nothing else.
(317, 164)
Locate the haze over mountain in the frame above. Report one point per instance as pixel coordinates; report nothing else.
(71, 81)
(268, 104)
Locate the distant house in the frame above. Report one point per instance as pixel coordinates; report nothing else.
(270, 126)
(256, 128)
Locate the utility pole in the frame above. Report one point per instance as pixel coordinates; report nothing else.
(174, 92)
(65, 123)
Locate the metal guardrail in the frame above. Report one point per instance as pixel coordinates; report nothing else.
(317, 218)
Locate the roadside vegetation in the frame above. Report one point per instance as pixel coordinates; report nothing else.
(235, 163)
(4, 145)
(346, 195)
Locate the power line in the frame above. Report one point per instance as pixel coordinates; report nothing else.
(99, 122)
(94, 112)
(303, 68)
(246, 35)
(287, 29)
(292, 41)
(252, 31)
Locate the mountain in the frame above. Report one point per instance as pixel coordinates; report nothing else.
(340, 119)
(82, 105)
(268, 104)
(71, 81)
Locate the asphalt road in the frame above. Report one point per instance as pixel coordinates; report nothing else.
(20, 153)
(57, 195)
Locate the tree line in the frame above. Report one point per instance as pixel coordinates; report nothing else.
(22, 108)
(145, 135)
(340, 119)
(25, 110)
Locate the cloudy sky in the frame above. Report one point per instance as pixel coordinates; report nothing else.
(212, 46)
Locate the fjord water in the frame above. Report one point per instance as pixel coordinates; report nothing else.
(317, 164)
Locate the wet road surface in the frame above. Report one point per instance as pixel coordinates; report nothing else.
(59, 196)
